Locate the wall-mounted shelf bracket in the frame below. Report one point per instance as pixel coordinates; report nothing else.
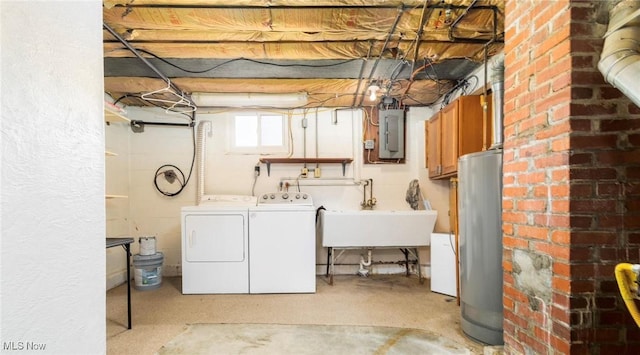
(269, 161)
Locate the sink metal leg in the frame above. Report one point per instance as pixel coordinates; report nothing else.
(333, 258)
(331, 269)
(418, 266)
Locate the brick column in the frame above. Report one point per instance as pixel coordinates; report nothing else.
(571, 207)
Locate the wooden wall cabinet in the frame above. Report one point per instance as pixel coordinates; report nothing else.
(434, 161)
(455, 131)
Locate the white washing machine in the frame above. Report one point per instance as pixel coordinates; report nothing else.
(282, 244)
(215, 245)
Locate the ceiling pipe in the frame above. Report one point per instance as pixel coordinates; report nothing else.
(277, 5)
(360, 77)
(453, 25)
(620, 59)
(484, 97)
(452, 38)
(423, 19)
(497, 89)
(455, 39)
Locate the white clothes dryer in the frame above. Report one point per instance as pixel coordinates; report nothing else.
(215, 245)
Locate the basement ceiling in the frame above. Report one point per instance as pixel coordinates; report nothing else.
(332, 50)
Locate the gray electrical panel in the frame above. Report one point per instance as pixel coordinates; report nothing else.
(391, 134)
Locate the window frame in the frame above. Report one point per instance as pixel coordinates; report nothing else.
(260, 149)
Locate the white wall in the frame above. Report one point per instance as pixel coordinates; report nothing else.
(53, 215)
(151, 213)
(117, 209)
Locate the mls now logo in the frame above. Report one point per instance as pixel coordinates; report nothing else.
(22, 345)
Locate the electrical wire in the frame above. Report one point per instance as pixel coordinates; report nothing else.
(397, 70)
(124, 97)
(419, 102)
(247, 60)
(435, 76)
(166, 173)
(170, 176)
(453, 248)
(462, 85)
(151, 103)
(322, 102)
(255, 179)
(290, 148)
(298, 181)
(472, 87)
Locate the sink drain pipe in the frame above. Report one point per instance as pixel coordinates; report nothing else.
(364, 264)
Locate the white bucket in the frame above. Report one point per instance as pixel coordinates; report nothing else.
(147, 245)
(147, 271)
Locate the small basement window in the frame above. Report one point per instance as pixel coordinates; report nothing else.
(258, 133)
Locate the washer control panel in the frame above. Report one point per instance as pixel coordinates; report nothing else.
(287, 198)
(229, 200)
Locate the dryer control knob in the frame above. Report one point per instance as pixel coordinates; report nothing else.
(304, 196)
(285, 196)
(265, 196)
(297, 196)
(273, 196)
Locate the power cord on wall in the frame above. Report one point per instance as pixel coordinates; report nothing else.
(168, 171)
(170, 176)
(256, 173)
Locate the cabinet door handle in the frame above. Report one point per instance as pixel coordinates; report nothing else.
(191, 238)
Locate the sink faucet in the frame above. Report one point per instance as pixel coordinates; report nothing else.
(367, 204)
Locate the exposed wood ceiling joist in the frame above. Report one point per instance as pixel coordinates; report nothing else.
(330, 49)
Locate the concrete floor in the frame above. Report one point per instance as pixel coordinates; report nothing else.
(379, 300)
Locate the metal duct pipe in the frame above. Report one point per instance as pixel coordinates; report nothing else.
(497, 87)
(620, 59)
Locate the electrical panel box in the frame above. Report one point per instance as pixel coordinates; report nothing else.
(391, 133)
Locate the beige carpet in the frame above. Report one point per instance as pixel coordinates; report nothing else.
(393, 301)
(307, 339)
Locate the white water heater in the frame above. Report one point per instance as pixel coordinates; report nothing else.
(480, 221)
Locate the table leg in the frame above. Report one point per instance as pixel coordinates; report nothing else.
(127, 249)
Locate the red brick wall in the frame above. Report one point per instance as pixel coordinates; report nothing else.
(571, 183)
